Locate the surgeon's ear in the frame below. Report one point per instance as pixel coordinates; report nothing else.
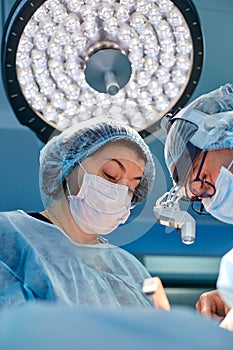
(74, 180)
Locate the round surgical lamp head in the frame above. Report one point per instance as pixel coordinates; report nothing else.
(64, 61)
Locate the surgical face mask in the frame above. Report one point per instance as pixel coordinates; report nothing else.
(221, 204)
(100, 206)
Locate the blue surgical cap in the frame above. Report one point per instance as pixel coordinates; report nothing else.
(218, 103)
(64, 151)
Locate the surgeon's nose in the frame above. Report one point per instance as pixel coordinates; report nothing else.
(196, 187)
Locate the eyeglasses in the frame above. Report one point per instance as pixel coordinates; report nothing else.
(201, 188)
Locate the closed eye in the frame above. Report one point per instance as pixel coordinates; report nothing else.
(110, 177)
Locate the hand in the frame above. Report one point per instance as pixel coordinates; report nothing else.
(159, 296)
(153, 287)
(211, 304)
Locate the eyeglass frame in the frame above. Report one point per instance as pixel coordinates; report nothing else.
(203, 181)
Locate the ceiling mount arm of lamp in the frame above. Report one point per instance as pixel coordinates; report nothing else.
(112, 86)
(108, 70)
(167, 212)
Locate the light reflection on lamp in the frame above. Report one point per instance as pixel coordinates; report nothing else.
(69, 60)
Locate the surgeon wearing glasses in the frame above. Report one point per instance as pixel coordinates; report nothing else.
(199, 156)
(201, 183)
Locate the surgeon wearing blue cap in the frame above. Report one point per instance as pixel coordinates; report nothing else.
(199, 156)
(91, 175)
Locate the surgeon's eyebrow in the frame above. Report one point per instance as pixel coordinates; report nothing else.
(123, 168)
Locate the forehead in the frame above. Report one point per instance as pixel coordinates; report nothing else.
(111, 151)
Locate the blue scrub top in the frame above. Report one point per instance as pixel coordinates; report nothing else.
(38, 261)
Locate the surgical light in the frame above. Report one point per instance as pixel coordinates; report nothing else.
(65, 61)
(168, 213)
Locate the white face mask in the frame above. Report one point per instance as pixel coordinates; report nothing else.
(221, 204)
(100, 206)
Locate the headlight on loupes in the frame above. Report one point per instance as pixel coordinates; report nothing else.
(167, 212)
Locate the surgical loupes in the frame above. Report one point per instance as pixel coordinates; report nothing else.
(167, 212)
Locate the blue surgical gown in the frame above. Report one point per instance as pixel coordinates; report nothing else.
(38, 261)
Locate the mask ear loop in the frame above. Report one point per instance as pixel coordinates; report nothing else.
(67, 185)
(68, 189)
(230, 165)
(82, 168)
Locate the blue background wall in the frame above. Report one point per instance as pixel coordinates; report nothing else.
(19, 151)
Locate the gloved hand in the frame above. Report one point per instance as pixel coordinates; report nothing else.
(153, 287)
(211, 304)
